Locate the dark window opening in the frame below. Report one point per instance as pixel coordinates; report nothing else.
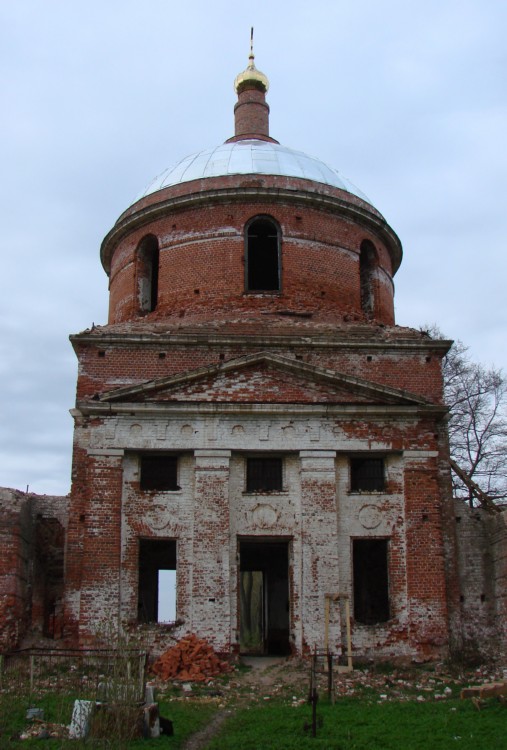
(263, 257)
(371, 585)
(367, 475)
(264, 608)
(157, 580)
(148, 270)
(367, 267)
(48, 575)
(159, 473)
(264, 474)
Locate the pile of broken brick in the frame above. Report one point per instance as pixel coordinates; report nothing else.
(191, 659)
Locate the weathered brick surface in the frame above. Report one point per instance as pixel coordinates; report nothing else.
(125, 360)
(202, 262)
(474, 530)
(223, 407)
(251, 115)
(28, 555)
(316, 512)
(498, 541)
(214, 375)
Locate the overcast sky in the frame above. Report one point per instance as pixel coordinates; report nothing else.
(408, 100)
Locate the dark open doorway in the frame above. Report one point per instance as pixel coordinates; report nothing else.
(157, 559)
(264, 597)
(371, 580)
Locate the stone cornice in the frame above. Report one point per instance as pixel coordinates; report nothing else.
(202, 409)
(359, 214)
(304, 340)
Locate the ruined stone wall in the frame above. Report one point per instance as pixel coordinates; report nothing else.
(481, 547)
(498, 541)
(316, 514)
(225, 372)
(16, 565)
(32, 529)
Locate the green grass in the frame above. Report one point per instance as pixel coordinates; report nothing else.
(358, 722)
(354, 724)
(349, 724)
(187, 718)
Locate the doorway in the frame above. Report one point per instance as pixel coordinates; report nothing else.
(157, 580)
(264, 597)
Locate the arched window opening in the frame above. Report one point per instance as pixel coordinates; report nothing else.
(148, 263)
(367, 267)
(262, 257)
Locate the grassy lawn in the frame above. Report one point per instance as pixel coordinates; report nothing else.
(349, 724)
(358, 724)
(187, 719)
(380, 709)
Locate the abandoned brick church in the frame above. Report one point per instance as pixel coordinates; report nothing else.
(252, 418)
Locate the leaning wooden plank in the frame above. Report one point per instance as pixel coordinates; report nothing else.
(488, 690)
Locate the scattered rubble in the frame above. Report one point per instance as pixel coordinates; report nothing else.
(289, 681)
(43, 730)
(191, 660)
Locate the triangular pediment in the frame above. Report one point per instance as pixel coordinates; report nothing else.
(263, 378)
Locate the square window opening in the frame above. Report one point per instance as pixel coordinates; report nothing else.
(264, 474)
(157, 580)
(367, 475)
(159, 473)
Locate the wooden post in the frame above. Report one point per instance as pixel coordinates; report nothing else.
(142, 667)
(330, 679)
(349, 640)
(315, 698)
(326, 622)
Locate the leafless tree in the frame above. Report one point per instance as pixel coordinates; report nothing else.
(477, 400)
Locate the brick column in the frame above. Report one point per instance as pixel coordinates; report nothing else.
(319, 543)
(426, 579)
(251, 115)
(211, 610)
(100, 540)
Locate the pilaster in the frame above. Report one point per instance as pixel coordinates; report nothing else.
(211, 609)
(320, 571)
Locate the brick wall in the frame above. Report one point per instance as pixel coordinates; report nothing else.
(498, 541)
(202, 259)
(315, 513)
(414, 368)
(28, 552)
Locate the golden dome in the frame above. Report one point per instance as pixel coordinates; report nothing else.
(251, 77)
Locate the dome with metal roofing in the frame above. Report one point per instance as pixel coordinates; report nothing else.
(251, 151)
(251, 156)
(257, 175)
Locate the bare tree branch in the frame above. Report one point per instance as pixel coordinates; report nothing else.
(477, 400)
